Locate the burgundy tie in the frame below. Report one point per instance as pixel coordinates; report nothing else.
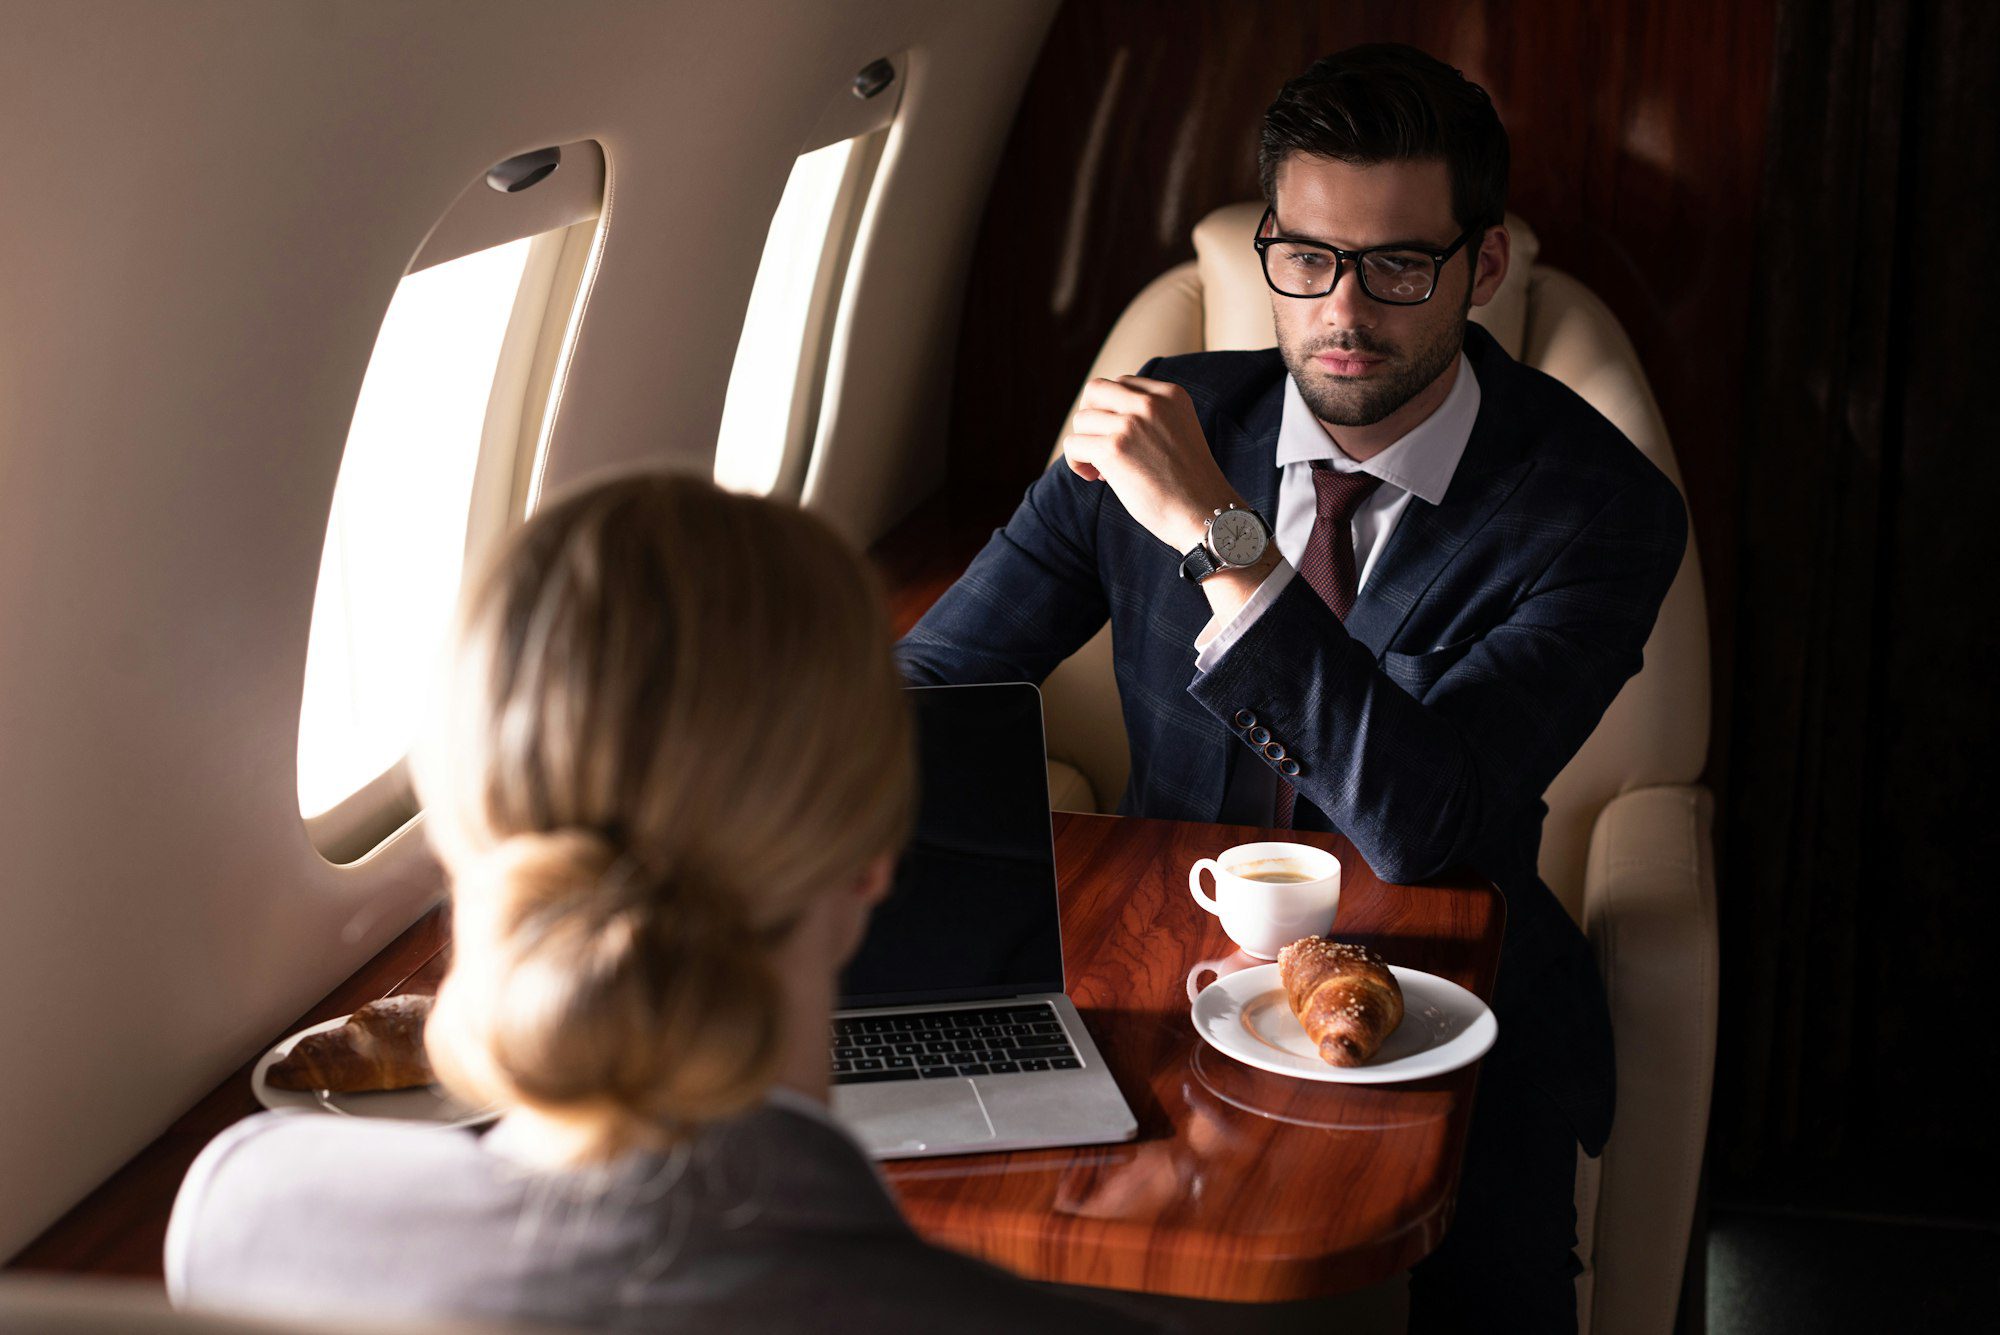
(1328, 562)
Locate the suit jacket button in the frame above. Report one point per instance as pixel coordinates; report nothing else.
(1260, 735)
(1288, 768)
(1273, 751)
(1245, 719)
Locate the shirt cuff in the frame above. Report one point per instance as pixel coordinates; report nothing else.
(1216, 641)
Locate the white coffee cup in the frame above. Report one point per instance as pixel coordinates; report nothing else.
(1270, 895)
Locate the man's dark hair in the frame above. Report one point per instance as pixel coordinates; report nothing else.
(1385, 102)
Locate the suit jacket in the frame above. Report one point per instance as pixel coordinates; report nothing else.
(1492, 633)
(773, 1222)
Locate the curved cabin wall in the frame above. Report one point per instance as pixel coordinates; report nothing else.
(200, 235)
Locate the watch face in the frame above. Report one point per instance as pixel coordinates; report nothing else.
(1237, 537)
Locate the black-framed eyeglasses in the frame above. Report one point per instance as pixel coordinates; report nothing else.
(1392, 275)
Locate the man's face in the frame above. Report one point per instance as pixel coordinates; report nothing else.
(1357, 361)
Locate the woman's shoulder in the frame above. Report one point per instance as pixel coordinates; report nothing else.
(767, 1224)
(282, 1173)
(287, 1200)
(274, 1148)
(278, 1147)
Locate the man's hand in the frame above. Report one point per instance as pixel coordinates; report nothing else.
(1141, 438)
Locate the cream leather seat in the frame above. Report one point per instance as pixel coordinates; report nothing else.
(1627, 846)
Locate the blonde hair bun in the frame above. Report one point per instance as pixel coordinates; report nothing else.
(648, 769)
(583, 986)
(532, 870)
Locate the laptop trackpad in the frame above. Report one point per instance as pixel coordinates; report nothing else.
(910, 1117)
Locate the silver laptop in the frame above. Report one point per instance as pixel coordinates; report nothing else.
(953, 1034)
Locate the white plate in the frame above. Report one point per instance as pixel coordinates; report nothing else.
(426, 1104)
(1246, 1016)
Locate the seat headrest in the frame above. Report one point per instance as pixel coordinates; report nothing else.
(1237, 305)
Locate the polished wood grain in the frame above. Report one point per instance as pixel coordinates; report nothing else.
(121, 1228)
(1243, 1185)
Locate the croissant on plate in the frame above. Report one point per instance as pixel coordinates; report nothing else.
(1343, 994)
(380, 1047)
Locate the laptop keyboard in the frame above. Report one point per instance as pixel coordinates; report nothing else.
(931, 1045)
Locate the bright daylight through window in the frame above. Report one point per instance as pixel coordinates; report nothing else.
(750, 450)
(395, 544)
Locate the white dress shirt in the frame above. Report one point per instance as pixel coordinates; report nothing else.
(1420, 463)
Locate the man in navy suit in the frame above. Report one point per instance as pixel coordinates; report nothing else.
(1382, 579)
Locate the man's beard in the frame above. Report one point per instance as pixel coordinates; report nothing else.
(1340, 401)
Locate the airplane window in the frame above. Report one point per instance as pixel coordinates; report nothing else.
(772, 407)
(395, 544)
(444, 455)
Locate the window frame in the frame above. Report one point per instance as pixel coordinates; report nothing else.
(823, 317)
(521, 409)
(866, 123)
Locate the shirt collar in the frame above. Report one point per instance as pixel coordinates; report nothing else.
(1421, 462)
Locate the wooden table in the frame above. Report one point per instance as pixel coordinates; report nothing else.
(1242, 1185)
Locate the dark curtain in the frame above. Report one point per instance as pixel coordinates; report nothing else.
(1857, 875)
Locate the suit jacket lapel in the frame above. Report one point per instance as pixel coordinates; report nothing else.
(1427, 537)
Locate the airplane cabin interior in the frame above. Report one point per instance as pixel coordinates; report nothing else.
(316, 313)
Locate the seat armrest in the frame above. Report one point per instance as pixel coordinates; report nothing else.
(1649, 909)
(1070, 791)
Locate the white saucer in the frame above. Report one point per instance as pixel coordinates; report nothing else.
(1245, 1015)
(426, 1104)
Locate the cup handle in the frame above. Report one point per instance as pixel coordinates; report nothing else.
(1201, 896)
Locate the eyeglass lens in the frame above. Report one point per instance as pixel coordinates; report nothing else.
(1395, 276)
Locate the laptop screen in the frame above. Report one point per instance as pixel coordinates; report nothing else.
(973, 912)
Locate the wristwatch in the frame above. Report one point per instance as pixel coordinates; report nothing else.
(1237, 536)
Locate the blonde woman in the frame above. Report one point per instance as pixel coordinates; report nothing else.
(671, 779)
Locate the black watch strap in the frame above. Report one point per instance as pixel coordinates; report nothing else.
(1198, 564)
